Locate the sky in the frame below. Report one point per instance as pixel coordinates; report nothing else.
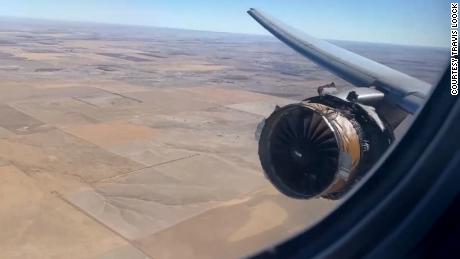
(416, 22)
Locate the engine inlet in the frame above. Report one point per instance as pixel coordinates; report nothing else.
(310, 149)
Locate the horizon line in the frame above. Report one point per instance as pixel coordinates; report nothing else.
(268, 35)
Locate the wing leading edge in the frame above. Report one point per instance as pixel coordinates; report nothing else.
(405, 91)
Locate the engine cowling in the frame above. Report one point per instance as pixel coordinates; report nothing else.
(321, 146)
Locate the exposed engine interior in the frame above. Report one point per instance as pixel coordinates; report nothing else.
(321, 146)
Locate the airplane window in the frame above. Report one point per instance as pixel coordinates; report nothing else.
(197, 129)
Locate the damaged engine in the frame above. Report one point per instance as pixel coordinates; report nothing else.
(321, 146)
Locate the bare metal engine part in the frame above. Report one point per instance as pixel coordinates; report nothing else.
(311, 149)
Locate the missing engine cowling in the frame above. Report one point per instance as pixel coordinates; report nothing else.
(320, 147)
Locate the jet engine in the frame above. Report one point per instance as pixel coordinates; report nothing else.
(321, 146)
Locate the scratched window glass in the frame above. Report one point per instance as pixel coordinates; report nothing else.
(197, 129)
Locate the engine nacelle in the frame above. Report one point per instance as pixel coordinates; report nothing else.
(321, 146)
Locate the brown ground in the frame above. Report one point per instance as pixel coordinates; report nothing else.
(98, 167)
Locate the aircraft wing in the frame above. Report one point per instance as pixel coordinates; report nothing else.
(407, 92)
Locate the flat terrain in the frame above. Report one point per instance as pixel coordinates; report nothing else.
(135, 142)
